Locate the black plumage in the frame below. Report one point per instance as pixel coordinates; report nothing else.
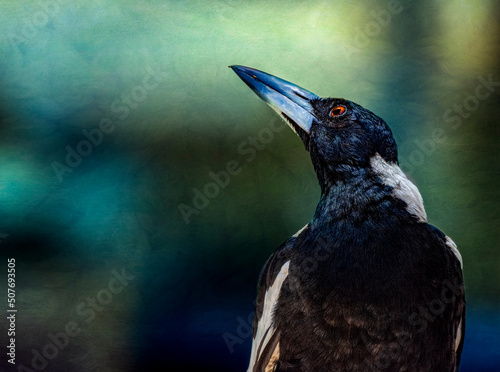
(368, 284)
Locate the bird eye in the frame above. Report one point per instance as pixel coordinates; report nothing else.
(337, 111)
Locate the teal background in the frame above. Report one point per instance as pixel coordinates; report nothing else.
(154, 75)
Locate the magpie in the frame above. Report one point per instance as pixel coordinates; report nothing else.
(367, 284)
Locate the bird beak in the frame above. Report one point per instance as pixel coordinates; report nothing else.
(292, 102)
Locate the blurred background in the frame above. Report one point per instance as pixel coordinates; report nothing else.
(143, 185)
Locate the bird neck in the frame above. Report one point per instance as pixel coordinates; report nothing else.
(339, 176)
(336, 171)
(377, 191)
(355, 195)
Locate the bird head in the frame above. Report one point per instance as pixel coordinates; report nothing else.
(340, 135)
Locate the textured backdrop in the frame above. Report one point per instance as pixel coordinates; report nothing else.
(143, 185)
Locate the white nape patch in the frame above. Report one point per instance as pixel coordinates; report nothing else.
(450, 243)
(298, 232)
(265, 327)
(458, 337)
(404, 189)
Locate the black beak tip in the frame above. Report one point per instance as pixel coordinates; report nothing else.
(288, 99)
(238, 69)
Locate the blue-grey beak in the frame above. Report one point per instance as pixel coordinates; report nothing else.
(292, 102)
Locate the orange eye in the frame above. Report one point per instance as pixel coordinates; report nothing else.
(337, 111)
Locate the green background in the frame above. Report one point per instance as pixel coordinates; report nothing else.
(154, 76)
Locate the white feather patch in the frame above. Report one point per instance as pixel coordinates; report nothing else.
(298, 232)
(403, 188)
(265, 328)
(458, 337)
(271, 366)
(450, 243)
